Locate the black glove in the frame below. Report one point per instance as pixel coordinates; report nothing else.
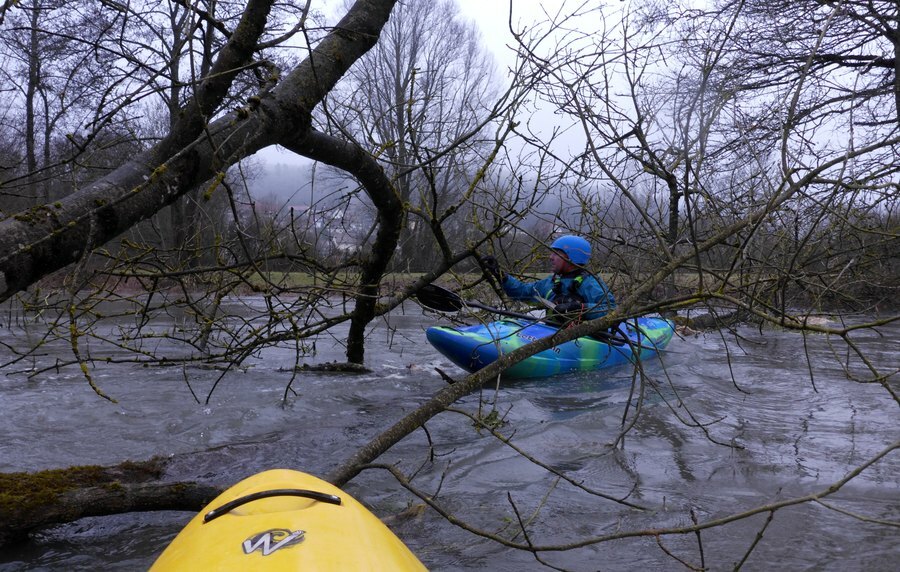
(493, 268)
(568, 308)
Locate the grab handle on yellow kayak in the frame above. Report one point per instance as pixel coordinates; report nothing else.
(231, 505)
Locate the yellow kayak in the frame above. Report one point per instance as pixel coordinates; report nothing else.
(285, 520)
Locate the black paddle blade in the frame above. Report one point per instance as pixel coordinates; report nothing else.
(440, 299)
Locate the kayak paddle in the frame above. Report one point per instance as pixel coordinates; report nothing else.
(443, 300)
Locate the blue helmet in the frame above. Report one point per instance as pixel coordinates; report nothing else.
(576, 248)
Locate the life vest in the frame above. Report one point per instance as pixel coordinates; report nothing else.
(559, 294)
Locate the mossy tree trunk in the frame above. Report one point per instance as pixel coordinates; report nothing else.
(30, 501)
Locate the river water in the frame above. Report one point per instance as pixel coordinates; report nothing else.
(734, 423)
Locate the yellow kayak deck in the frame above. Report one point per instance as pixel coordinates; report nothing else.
(286, 520)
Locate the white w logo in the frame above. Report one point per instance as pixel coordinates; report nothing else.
(272, 540)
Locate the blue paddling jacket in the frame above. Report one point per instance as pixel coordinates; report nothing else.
(579, 286)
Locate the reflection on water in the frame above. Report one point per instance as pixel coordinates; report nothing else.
(723, 427)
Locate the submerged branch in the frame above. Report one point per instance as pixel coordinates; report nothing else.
(530, 546)
(30, 501)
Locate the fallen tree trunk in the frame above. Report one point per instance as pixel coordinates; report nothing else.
(30, 501)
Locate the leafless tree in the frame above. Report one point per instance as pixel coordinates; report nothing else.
(729, 191)
(420, 101)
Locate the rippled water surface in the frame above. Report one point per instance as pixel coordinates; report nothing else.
(726, 425)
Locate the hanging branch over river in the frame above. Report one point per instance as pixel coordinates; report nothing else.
(47, 238)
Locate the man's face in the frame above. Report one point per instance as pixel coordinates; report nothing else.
(559, 262)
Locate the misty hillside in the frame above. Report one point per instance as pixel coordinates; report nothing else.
(288, 183)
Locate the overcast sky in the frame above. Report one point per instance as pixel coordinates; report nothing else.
(492, 18)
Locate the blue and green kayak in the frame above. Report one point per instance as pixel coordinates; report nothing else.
(474, 347)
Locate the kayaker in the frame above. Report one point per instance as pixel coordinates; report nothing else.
(575, 293)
